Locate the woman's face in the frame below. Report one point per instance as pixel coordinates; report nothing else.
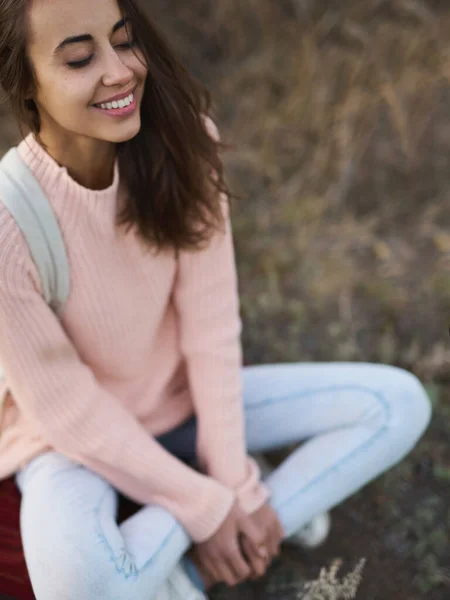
(90, 81)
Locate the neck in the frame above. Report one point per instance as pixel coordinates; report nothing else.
(89, 162)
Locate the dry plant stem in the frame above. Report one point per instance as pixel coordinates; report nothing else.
(329, 587)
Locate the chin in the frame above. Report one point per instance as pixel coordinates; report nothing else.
(124, 133)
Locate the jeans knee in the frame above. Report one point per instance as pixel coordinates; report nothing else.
(409, 407)
(93, 578)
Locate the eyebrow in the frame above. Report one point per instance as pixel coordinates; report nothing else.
(87, 37)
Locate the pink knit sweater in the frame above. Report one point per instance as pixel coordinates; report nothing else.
(145, 341)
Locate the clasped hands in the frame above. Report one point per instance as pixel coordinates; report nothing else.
(241, 549)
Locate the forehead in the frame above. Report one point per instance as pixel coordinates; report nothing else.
(51, 21)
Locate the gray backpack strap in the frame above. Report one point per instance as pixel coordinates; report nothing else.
(22, 195)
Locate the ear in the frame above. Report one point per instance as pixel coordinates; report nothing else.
(31, 104)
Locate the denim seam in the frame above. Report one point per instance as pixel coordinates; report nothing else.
(102, 536)
(333, 388)
(377, 396)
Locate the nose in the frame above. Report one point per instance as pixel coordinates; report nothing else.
(116, 71)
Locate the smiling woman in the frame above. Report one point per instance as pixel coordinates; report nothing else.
(76, 74)
(63, 82)
(137, 385)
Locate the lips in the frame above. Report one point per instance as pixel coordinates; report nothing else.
(117, 104)
(116, 98)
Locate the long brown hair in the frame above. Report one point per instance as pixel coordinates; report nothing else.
(171, 168)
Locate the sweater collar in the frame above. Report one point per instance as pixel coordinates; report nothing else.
(50, 174)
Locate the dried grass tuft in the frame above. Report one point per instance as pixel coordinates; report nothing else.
(329, 587)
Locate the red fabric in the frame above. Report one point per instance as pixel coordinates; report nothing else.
(14, 581)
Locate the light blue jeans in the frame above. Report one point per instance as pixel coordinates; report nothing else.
(357, 421)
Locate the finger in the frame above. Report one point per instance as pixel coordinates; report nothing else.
(259, 560)
(205, 567)
(260, 549)
(274, 542)
(237, 563)
(257, 564)
(275, 536)
(223, 572)
(281, 531)
(255, 534)
(279, 535)
(209, 573)
(223, 567)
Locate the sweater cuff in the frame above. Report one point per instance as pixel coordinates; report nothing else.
(211, 512)
(252, 494)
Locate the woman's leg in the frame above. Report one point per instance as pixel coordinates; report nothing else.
(359, 419)
(74, 548)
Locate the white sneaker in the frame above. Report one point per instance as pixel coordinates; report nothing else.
(312, 534)
(179, 587)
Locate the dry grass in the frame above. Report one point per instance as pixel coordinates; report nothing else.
(328, 586)
(338, 113)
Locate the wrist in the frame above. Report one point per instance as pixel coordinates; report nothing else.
(252, 494)
(212, 508)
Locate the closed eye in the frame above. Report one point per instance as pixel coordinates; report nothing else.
(127, 45)
(79, 64)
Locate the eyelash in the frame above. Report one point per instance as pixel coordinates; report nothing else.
(79, 64)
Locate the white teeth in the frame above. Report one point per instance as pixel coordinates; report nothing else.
(118, 103)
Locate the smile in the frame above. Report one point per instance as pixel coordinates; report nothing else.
(117, 104)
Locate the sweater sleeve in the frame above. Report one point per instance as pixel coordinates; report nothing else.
(206, 299)
(59, 395)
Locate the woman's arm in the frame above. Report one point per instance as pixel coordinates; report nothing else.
(206, 298)
(60, 396)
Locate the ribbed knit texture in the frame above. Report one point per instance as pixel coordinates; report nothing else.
(145, 340)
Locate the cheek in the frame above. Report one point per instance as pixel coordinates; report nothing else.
(67, 93)
(137, 65)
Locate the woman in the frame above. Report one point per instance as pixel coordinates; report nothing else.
(139, 387)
